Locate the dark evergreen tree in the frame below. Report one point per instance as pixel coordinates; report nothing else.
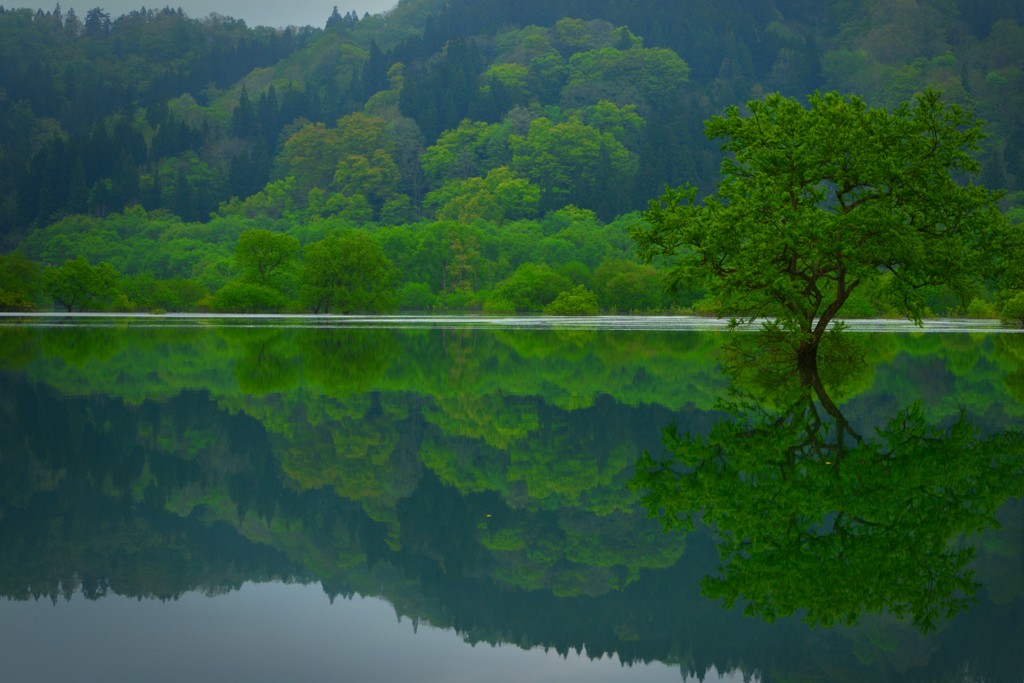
(243, 120)
(54, 181)
(157, 112)
(268, 117)
(183, 197)
(374, 74)
(335, 22)
(128, 104)
(128, 138)
(1013, 154)
(72, 24)
(97, 23)
(296, 103)
(440, 94)
(124, 183)
(99, 198)
(78, 190)
(154, 195)
(100, 154)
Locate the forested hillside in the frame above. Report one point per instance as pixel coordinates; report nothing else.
(452, 155)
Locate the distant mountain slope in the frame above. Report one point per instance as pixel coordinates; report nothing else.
(439, 109)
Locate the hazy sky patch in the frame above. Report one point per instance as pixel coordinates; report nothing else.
(278, 14)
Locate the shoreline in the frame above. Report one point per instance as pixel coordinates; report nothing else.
(653, 323)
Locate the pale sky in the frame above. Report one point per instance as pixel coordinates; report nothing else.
(278, 14)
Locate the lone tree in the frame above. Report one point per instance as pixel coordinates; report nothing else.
(816, 202)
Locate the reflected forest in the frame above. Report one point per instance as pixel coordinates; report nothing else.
(483, 480)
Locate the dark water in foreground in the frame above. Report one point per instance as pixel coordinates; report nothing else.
(449, 501)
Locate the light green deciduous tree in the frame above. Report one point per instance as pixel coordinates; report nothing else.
(77, 285)
(816, 201)
(347, 273)
(261, 252)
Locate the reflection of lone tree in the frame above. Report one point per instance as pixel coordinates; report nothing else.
(816, 203)
(811, 516)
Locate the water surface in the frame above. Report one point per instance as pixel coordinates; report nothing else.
(253, 499)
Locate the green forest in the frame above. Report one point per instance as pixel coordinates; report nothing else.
(446, 155)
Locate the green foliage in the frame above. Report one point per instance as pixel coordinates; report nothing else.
(576, 301)
(647, 77)
(816, 202)
(144, 292)
(497, 304)
(571, 162)
(260, 253)
(624, 123)
(416, 296)
(171, 265)
(276, 200)
(472, 149)
(1013, 310)
(625, 286)
(374, 176)
(349, 210)
(531, 287)
(135, 242)
(248, 297)
(980, 309)
(397, 211)
(310, 156)
(512, 79)
(347, 273)
(499, 197)
(77, 285)
(19, 283)
(576, 35)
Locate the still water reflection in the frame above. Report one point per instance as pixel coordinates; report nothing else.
(812, 514)
(269, 632)
(483, 483)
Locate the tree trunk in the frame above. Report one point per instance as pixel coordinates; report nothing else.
(807, 357)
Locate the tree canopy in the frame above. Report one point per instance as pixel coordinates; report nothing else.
(347, 273)
(261, 252)
(815, 202)
(77, 284)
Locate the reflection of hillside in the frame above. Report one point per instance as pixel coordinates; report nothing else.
(81, 507)
(147, 362)
(496, 420)
(670, 369)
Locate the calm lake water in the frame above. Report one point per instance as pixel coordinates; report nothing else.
(466, 499)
